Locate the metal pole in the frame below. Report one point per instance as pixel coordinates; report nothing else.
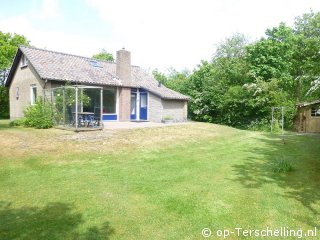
(101, 106)
(272, 119)
(64, 107)
(76, 89)
(282, 112)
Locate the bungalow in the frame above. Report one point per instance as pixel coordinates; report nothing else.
(308, 117)
(129, 93)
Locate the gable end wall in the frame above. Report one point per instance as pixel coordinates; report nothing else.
(23, 78)
(161, 108)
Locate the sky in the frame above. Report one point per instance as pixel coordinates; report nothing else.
(159, 34)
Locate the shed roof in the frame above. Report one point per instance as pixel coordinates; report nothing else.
(304, 104)
(51, 65)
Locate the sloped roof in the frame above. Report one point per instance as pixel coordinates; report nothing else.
(57, 66)
(308, 103)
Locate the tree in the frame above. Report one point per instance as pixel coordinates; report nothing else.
(104, 55)
(307, 55)
(8, 47)
(9, 44)
(159, 76)
(244, 80)
(271, 57)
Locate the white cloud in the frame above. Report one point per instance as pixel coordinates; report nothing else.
(52, 40)
(49, 9)
(181, 33)
(162, 33)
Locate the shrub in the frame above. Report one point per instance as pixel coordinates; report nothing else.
(262, 125)
(4, 102)
(282, 166)
(17, 122)
(168, 117)
(38, 115)
(276, 127)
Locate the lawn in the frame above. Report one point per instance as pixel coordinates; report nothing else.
(157, 183)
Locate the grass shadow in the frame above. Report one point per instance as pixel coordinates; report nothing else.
(54, 221)
(4, 124)
(303, 152)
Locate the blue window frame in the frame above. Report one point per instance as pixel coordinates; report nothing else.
(110, 117)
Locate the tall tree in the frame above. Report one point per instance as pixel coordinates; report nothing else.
(104, 55)
(159, 76)
(307, 55)
(8, 47)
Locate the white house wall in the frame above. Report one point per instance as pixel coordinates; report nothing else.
(23, 79)
(154, 108)
(175, 109)
(160, 109)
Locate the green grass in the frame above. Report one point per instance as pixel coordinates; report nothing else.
(159, 183)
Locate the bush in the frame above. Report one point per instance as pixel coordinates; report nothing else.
(4, 102)
(262, 125)
(282, 166)
(38, 115)
(17, 122)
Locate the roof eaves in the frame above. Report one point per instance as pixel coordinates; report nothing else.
(13, 67)
(308, 103)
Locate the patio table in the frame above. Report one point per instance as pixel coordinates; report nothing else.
(85, 118)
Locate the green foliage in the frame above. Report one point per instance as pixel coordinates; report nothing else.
(66, 98)
(104, 55)
(4, 102)
(38, 115)
(259, 125)
(243, 81)
(282, 166)
(8, 47)
(276, 126)
(20, 122)
(168, 117)
(162, 78)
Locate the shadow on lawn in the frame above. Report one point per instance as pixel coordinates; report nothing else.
(302, 184)
(4, 124)
(54, 221)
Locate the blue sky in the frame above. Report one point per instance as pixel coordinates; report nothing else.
(159, 34)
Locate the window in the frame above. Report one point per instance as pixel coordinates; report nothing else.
(315, 111)
(24, 61)
(33, 94)
(109, 100)
(143, 100)
(133, 103)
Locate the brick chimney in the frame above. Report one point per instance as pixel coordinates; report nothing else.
(123, 64)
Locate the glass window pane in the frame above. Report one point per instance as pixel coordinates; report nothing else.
(33, 93)
(315, 112)
(143, 100)
(109, 101)
(133, 103)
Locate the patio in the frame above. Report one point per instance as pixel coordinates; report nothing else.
(132, 125)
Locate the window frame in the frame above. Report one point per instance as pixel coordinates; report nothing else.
(315, 111)
(24, 61)
(115, 89)
(33, 94)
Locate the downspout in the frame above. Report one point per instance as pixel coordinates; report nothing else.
(44, 90)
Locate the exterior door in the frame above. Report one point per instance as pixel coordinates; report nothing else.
(133, 108)
(143, 106)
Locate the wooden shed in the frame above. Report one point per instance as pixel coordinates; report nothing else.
(308, 117)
